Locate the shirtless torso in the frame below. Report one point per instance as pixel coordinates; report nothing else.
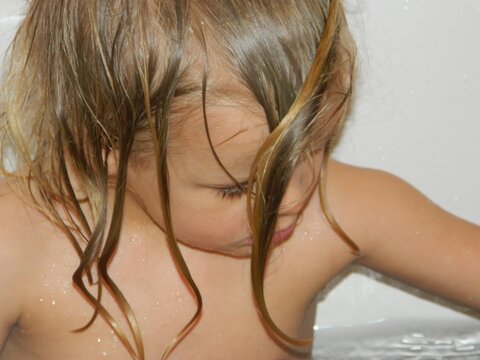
(43, 306)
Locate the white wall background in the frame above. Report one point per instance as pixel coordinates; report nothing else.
(10, 15)
(417, 115)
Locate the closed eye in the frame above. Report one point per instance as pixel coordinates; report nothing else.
(233, 192)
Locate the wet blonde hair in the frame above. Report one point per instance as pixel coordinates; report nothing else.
(85, 78)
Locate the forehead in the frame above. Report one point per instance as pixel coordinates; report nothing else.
(228, 125)
(236, 125)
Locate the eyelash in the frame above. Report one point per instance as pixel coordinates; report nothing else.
(231, 193)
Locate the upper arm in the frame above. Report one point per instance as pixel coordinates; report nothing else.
(13, 264)
(403, 234)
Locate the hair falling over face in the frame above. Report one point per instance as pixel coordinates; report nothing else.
(83, 79)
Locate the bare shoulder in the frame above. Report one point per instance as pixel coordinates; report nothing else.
(348, 196)
(380, 206)
(404, 234)
(24, 231)
(374, 202)
(18, 255)
(18, 220)
(352, 191)
(15, 225)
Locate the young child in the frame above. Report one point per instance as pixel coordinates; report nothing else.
(168, 189)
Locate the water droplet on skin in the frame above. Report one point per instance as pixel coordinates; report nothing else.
(53, 302)
(134, 240)
(99, 340)
(41, 300)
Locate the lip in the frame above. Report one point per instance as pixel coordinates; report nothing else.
(279, 236)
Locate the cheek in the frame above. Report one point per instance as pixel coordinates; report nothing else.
(303, 182)
(200, 218)
(204, 225)
(310, 171)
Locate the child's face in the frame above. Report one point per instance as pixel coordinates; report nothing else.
(208, 212)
